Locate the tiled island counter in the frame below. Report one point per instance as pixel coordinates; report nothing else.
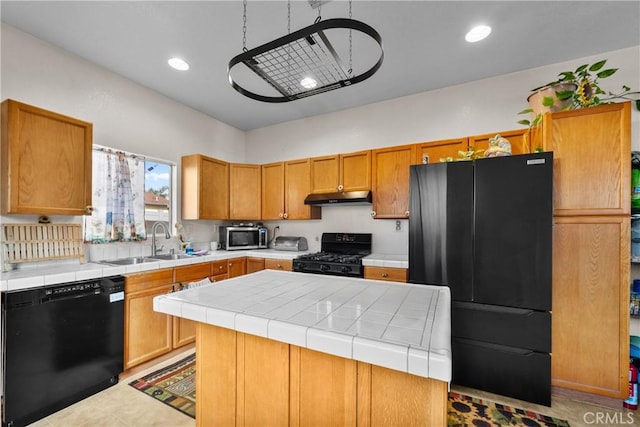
(284, 348)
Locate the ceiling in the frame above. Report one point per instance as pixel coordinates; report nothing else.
(424, 47)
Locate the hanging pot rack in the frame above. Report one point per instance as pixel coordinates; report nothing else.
(282, 62)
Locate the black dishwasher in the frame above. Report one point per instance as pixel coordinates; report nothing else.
(61, 344)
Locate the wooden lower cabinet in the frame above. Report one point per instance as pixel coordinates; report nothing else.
(590, 322)
(278, 264)
(147, 333)
(236, 267)
(385, 273)
(243, 379)
(254, 264)
(184, 330)
(219, 270)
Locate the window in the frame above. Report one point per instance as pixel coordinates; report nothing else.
(158, 178)
(130, 194)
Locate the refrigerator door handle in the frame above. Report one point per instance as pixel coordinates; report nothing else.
(497, 347)
(493, 308)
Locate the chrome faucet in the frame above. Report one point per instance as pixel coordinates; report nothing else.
(167, 235)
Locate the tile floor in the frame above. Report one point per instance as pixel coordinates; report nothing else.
(123, 406)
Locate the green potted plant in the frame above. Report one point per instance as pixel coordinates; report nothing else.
(574, 89)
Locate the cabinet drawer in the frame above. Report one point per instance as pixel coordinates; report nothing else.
(508, 326)
(189, 273)
(219, 267)
(278, 264)
(147, 280)
(509, 371)
(386, 273)
(218, 277)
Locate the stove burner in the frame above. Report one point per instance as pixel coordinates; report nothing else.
(332, 257)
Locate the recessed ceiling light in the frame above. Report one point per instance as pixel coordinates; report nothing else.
(308, 83)
(178, 64)
(478, 33)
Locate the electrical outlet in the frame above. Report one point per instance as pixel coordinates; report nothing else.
(398, 226)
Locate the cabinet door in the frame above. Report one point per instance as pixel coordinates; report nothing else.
(433, 151)
(590, 321)
(355, 171)
(390, 181)
(237, 267)
(46, 161)
(591, 149)
(147, 332)
(273, 191)
(519, 140)
(297, 177)
(205, 188)
(244, 191)
(254, 264)
(278, 264)
(325, 176)
(184, 330)
(219, 270)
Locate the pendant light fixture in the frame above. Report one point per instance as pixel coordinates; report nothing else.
(302, 63)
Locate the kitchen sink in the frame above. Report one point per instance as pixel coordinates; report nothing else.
(166, 257)
(128, 261)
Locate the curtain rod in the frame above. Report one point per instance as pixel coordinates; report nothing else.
(134, 155)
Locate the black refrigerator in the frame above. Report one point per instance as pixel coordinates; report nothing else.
(484, 229)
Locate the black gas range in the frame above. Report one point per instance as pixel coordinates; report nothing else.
(340, 255)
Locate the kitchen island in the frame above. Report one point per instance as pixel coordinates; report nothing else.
(285, 348)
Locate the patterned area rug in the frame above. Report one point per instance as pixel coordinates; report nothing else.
(174, 385)
(470, 411)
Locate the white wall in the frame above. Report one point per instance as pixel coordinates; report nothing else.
(136, 119)
(479, 107)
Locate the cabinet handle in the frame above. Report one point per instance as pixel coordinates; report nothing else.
(279, 266)
(220, 267)
(281, 215)
(340, 187)
(406, 213)
(385, 274)
(373, 214)
(285, 216)
(88, 209)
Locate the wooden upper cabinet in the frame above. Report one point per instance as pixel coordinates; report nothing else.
(46, 161)
(341, 172)
(519, 140)
(355, 171)
(273, 191)
(591, 153)
(297, 185)
(205, 188)
(325, 174)
(433, 151)
(244, 191)
(390, 181)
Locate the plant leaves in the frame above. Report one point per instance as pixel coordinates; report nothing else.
(597, 65)
(581, 68)
(547, 101)
(563, 95)
(528, 110)
(606, 73)
(524, 122)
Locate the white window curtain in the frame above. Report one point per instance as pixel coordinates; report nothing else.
(118, 198)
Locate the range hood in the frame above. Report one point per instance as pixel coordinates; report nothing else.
(339, 198)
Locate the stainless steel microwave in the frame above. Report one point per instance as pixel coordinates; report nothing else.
(237, 237)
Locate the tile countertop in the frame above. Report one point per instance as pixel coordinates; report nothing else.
(403, 327)
(64, 272)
